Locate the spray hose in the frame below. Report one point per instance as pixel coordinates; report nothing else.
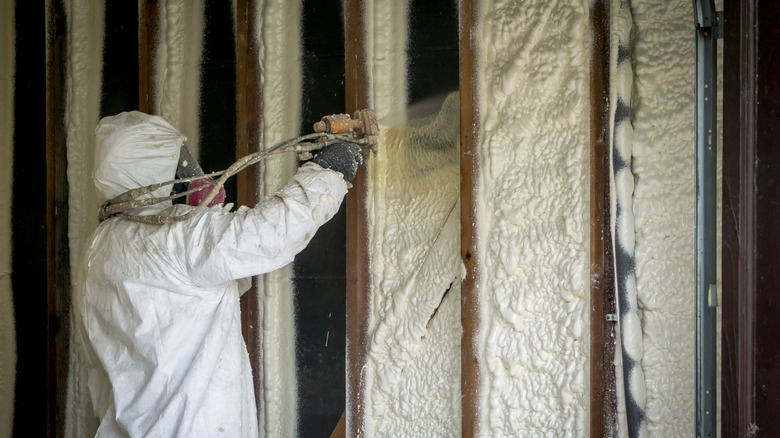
(363, 131)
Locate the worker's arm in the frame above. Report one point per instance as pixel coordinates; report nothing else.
(255, 241)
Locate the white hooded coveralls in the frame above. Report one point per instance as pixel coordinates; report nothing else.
(157, 306)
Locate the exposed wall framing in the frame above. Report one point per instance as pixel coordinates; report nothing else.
(750, 193)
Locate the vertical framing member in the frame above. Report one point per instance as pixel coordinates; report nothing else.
(358, 277)
(57, 249)
(751, 238)
(147, 53)
(248, 127)
(603, 398)
(706, 202)
(738, 214)
(469, 175)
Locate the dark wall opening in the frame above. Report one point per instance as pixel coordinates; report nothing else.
(433, 50)
(320, 270)
(28, 223)
(120, 58)
(218, 93)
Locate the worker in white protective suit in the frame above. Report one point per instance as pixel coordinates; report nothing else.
(157, 306)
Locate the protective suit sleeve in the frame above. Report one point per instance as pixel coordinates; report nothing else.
(229, 246)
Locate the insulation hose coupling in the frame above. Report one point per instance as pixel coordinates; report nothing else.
(363, 125)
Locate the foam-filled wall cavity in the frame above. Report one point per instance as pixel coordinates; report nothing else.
(279, 46)
(532, 224)
(664, 196)
(412, 370)
(413, 363)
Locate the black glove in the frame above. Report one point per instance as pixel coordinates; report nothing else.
(341, 157)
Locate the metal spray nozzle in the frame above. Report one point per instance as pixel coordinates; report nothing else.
(364, 126)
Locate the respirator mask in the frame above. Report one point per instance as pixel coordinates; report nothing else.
(189, 168)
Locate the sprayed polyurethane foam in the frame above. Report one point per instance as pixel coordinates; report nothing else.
(413, 363)
(664, 196)
(533, 213)
(83, 89)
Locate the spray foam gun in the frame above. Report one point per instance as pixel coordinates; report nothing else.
(362, 130)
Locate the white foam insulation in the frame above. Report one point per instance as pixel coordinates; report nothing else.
(664, 196)
(278, 26)
(82, 105)
(533, 218)
(413, 364)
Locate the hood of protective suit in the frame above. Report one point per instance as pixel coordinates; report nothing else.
(135, 150)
